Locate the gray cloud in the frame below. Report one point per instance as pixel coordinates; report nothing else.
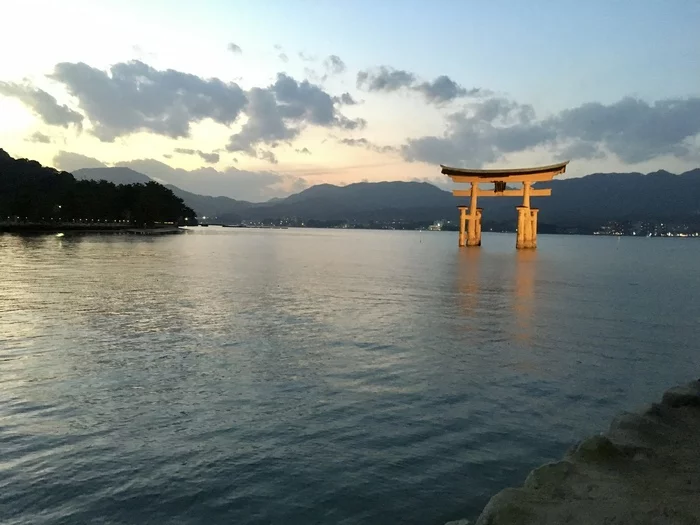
(303, 151)
(211, 158)
(482, 133)
(69, 161)
(633, 130)
(42, 104)
(440, 91)
(443, 89)
(364, 143)
(134, 97)
(267, 155)
(253, 186)
(280, 112)
(256, 186)
(385, 78)
(283, 57)
(334, 65)
(306, 57)
(265, 123)
(39, 137)
(234, 48)
(345, 99)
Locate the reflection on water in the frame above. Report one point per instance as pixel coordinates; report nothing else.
(468, 275)
(523, 304)
(298, 376)
(503, 277)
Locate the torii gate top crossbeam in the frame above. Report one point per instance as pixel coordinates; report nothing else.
(540, 173)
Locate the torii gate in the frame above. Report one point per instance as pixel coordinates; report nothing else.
(470, 224)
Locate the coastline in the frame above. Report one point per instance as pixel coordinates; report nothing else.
(644, 470)
(75, 229)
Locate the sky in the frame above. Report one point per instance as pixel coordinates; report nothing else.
(256, 100)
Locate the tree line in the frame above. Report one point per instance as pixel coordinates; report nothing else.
(34, 193)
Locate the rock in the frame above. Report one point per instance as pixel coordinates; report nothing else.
(687, 395)
(458, 522)
(599, 449)
(550, 478)
(644, 470)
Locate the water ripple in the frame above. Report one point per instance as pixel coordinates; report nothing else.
(342, 377)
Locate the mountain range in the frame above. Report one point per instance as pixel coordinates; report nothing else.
(585, 202)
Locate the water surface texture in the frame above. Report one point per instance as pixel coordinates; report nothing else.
(330, 376)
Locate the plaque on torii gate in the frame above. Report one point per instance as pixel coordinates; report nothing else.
(470, 217)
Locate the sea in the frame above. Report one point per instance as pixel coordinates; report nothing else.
(299, 376)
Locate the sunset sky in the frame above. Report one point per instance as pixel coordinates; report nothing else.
(257, 99)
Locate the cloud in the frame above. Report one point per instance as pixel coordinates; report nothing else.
(69, 161)
(482, 133)
(364, 143)
(303, 151)
(387, 79)
(42, 104)
(234, 48)
(306, 57)
(256, 186)
(444, 89)
(334, 65)
(345, 99)
(632, 129)
(283, 57)
(211, 158)
(39, 137)
(281, 111)
(267, 155)
(134, 96)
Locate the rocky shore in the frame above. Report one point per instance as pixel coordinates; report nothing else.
(644, 470)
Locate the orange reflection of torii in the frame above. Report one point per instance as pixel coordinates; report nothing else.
(523, 296)
(468, 279)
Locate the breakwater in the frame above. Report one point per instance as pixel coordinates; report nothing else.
(644, 470)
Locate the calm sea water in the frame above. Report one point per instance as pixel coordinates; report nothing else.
(331, 376)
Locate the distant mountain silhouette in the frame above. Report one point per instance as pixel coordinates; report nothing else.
(224, 208)
(113, 175)
(584, 202)
(33, 194)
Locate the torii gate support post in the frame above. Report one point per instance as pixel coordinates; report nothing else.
(462, 225)
(479, 213)
(474, 224)
(527, 222)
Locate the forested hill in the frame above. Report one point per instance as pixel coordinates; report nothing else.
(32, 192)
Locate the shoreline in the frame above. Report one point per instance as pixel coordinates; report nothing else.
(81, 229)
(644, 470)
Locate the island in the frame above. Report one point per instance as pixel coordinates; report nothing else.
(39, 199)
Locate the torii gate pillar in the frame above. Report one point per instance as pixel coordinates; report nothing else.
(527, 228)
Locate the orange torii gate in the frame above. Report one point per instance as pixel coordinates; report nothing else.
(470, 223)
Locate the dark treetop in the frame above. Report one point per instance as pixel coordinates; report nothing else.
(32, 192)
